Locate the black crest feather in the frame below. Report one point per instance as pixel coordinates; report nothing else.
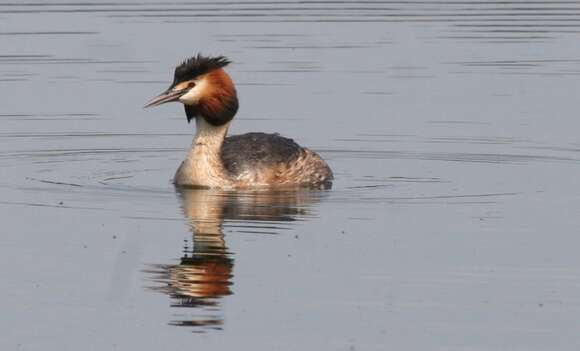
(198, 65)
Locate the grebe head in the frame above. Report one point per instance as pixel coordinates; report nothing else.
(204, 88)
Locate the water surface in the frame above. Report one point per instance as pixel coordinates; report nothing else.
(451, 127)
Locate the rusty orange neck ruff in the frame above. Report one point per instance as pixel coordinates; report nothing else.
(219, 102)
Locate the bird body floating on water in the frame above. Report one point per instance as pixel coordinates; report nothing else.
(252, 160)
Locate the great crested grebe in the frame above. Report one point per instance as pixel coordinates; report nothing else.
(240, 161)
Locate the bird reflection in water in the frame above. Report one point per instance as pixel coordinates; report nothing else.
(204, 274)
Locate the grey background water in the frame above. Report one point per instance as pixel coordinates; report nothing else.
(452, 128)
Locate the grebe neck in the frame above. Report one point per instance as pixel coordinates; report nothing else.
(203, 165)
(208, 136)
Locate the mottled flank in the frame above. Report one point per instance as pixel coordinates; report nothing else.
(270, 159)
(196, 66)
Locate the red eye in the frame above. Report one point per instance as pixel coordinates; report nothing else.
(190, 85)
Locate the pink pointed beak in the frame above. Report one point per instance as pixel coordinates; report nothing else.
(167, 96)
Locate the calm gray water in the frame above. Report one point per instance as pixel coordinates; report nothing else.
(451, 126)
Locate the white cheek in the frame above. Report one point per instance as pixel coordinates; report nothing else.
(196, 93)
(191, 97)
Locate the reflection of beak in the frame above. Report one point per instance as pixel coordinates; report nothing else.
(167, 96)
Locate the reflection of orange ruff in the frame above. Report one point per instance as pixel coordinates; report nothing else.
(201, 277)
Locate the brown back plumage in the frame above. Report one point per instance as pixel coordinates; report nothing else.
(274, 160)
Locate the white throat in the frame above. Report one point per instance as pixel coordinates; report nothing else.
(203, 164)
(208, 135)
